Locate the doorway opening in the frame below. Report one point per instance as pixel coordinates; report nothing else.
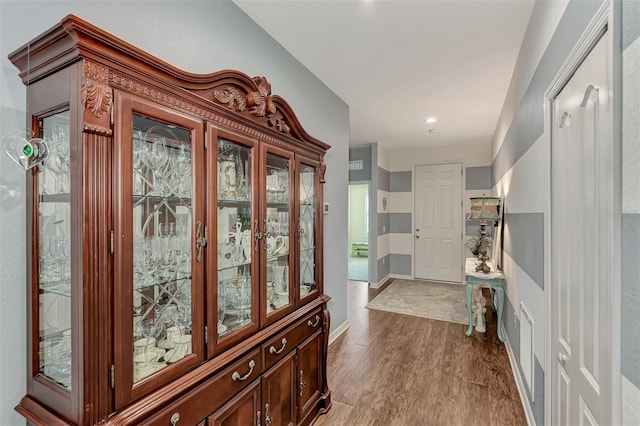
(358, 229)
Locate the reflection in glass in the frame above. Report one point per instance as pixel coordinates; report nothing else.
(277, 232)
(162, 229)
(307, 230)
(54, 252)
(235, 242)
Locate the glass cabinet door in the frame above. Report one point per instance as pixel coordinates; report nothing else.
(54, 253)
(307, 229)
(160, 243)
(236, 247)
(277, 270)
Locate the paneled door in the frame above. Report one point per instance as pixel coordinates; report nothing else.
(581, 245)
(438, 223)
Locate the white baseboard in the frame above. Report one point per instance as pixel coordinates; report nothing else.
(379, 283)
(519, 381)
(401, 277)
(338, 331)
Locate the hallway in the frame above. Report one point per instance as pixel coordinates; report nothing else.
(391, 369)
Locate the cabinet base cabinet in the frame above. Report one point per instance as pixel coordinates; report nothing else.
(243, 409)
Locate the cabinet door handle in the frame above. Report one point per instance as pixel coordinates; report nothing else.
(257, 235)
(200, 240)
(236, 376)
(314, 324)
(273, 350)
(303, 384)
(267, 418)
(258, 417)
(175, 419)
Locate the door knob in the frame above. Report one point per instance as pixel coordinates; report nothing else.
(562, 357)
(417, 237)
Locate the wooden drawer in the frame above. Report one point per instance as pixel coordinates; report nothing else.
(197, 404)
(277, 347)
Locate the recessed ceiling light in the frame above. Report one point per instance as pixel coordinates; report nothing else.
(431, 120)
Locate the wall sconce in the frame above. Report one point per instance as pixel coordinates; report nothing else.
(484, 209)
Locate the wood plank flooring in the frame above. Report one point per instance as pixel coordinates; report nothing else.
(398, 370)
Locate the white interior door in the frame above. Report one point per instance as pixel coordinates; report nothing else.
(581, 243)
(438, 222)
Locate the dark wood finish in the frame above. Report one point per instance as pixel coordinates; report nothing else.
(267, 318)
(103, 81)
(217, 343)
(309, 375)
(300, 163)
(278, 392)
(244, 409)
(274, 349)
(207, 397)
(392, 369)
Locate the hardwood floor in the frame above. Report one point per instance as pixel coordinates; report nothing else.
(391, 369)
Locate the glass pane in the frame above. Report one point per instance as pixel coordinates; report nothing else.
(277, 232)
(307, 230)
(54, 243)
(235, 242)
(162, 228)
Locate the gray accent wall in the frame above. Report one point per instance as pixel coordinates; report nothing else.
(528, 122)
(630, 22)
(524, 243)
(630, 311)
(512, 329)
(363, 154)
(400, 264)
(401, 182)
(384, 267)
(400, 223)
(384, 179)
(478, 178)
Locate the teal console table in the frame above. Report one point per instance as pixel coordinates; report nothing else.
(494, 280)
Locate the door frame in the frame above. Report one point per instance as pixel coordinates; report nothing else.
(462, 218)
(373, 250)
(605, 20)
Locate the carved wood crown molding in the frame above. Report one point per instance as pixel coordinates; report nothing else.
(97, 97)
(259, 101)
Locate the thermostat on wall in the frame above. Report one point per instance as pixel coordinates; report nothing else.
(325, 208)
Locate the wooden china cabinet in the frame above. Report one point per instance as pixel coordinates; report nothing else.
(175, 264)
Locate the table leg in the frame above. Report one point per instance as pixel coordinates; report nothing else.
(469, 290)
(493, 298)
(500, 291)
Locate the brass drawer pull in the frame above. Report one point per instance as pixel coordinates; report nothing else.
(236, 376)
(267, 418)
(303, 384)
(314, 324)
(273, 350)
(175, 419)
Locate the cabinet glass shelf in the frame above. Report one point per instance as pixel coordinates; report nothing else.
(54, 198)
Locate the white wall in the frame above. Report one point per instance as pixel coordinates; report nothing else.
(472, 155)
(200, 37)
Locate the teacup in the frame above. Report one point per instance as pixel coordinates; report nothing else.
(144, 345)
(174, 332)
(183, 344)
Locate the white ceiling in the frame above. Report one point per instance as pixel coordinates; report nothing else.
(395, 63)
